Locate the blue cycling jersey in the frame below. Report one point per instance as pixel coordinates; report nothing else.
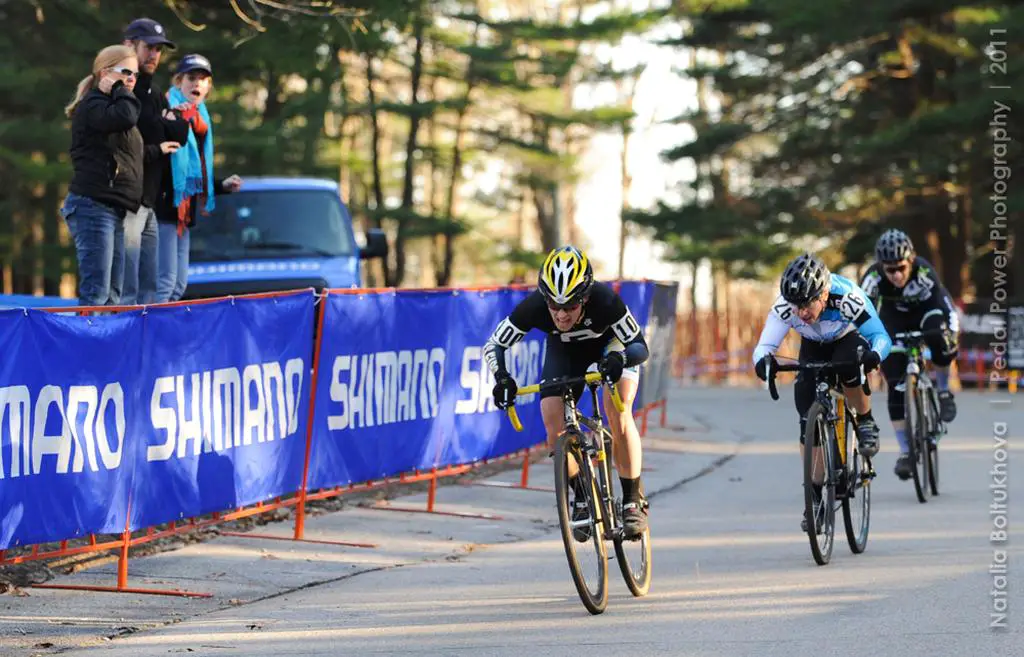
(847, 309)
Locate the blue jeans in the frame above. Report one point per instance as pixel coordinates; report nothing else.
(140, 257)
(98, 231)
(172, 274)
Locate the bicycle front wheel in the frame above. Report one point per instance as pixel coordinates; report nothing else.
(916, 438)
(932, 442)
(588, 558)
(857, 493)
(819, 500)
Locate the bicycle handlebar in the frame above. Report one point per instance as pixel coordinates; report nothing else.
(561, 383)
(809, 366)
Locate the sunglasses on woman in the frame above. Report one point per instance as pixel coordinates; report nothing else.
(126, 72)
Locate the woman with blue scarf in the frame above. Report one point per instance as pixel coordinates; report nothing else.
(189, 187)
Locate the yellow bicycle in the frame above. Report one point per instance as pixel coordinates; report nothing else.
(588, 442)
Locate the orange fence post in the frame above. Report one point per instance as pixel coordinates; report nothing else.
(432, 490)
(300, 508)
(524, 480)
(664, 412)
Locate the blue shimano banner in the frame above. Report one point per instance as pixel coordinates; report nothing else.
(660, 333)
(403, 385)
(67, 386)
(481, 431)
(224, 393)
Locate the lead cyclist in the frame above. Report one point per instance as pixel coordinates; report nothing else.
(586, 322)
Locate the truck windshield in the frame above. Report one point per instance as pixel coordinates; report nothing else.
(272, 224)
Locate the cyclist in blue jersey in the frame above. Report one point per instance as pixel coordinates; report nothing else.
(833, 317)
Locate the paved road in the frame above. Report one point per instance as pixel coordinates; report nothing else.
(733, 573)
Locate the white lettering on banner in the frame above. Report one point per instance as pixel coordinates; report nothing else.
(225, 408)
(74, 445)
(523, 363)
(385, 387)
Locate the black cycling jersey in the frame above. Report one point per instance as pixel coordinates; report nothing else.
(605, 318)
(923, 285)
(923, 295)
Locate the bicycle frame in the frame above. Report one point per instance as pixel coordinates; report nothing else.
(586, 440)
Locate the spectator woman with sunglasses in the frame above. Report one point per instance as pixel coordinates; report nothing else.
(106, 155)
(910, 297)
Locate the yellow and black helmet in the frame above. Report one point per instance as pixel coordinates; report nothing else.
(565, 277)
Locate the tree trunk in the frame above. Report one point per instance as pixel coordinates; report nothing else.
(53, 254)
(416, 75)
(627, 179)
(371, 99)
(271, 116)
(450, 210)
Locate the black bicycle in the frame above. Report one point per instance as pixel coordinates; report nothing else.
(588, 443)
(845, 475)
(921, 407)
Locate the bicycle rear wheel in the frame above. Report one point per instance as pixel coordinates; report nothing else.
(634, 557)
(588, 561)
(857, 496)
(819, 506)
(916, 437)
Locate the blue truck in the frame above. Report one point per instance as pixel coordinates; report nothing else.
(278, 234)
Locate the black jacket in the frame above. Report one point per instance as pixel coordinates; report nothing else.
(155, 130)
(106, 148)
(165, 209)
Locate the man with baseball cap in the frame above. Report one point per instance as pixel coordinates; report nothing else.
(163, 133)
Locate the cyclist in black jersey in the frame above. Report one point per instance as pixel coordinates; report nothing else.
(586, 322)
(910, 297)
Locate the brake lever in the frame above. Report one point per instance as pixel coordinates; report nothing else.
(771, 380)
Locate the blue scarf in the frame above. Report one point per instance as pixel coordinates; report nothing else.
(186, 165)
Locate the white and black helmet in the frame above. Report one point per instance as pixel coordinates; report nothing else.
(894, 246)
(805, 278)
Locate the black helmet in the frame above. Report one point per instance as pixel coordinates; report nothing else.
(894, 246)
(805, 278)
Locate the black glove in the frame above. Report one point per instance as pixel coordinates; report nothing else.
(870, 360)
(761, 368)
(505, 389)
(611, 366)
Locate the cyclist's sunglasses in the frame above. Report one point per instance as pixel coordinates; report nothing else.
(567, 308)
(895, 268)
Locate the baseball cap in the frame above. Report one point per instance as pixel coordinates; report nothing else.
(194, 62)
(148, 31)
